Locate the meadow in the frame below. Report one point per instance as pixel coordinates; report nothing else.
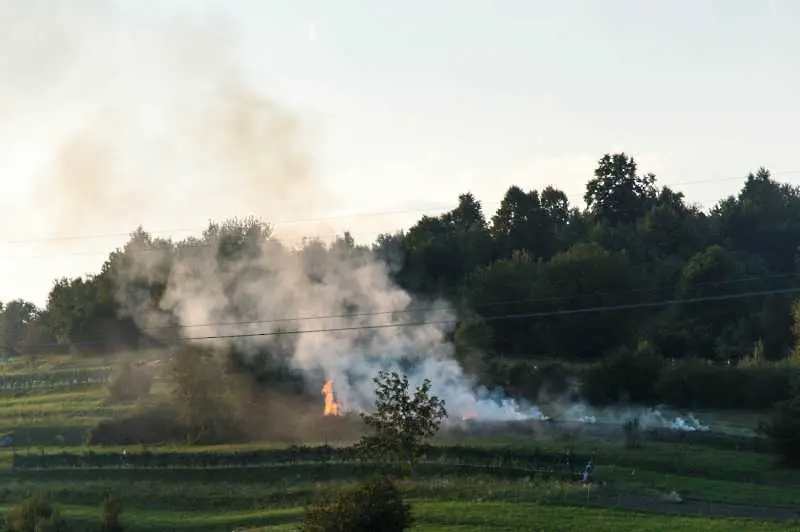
(490, 482)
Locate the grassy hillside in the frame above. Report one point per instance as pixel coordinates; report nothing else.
(632, 490)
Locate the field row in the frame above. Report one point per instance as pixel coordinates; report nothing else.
(322, 454)
(54, 380)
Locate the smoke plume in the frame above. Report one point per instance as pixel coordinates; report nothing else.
(145, 118)
(157, 119)
(345, 317)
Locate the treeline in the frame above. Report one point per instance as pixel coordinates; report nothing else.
(638, 268)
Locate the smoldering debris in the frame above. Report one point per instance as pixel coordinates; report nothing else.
(649, 418)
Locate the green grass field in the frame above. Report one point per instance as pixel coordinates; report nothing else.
(632, 490)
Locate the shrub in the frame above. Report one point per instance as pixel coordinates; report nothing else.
(156, 424)
(35, 514)
(110, 515)
(625, 376)
(783, 429)
(633, 434)
(376, 504)
(699, 384)
(151, 425)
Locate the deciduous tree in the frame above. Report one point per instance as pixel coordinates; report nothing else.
(402, 420)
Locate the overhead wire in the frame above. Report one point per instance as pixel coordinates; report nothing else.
(454, 321)
(473, 307)
(480, 305)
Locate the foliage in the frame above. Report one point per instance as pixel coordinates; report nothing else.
(147, 426)
(376, 504)
(401, 422)
(795, 350)
(35, 514)
(16, 326)
(538, 278)
(199, 392)
(110, 515)
(633, 433)
(625, 376)
(268, 457)
(783, 428)
(617, 194)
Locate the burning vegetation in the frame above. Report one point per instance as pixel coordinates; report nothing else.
(332, 406)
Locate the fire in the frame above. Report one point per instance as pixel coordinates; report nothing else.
(332, 406)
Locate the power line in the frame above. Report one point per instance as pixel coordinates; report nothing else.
(362, 214)
(503, 317)
(455, 321)
(424, 309)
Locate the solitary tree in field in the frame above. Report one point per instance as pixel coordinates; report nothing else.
(197, 390)
(401, 422)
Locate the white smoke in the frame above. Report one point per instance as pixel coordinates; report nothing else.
(649, 418)
(158, 118)
(338, 307)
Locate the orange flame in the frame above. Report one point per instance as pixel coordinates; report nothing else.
(332, 406)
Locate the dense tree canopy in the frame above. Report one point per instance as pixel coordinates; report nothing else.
(537, 279)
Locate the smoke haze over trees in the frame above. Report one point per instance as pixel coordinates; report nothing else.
(493, 295)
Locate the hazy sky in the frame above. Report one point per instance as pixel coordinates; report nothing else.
(109, 111)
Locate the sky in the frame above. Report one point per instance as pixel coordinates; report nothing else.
(323, 116)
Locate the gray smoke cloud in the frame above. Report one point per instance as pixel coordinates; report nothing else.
(138, 115)
(142, 117)
(138, 118)
(351, 319)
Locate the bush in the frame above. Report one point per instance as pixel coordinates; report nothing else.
(376, 504)
(698, 384)
(110, 515)
(625, 376)
(642, 377)
(633, 434)
(156, 424)
(150, 426)
(783, 429)
(530, 379)
(35, 514)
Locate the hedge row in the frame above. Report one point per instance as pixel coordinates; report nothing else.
(639, 377)
(644, 378)
(293, 455)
